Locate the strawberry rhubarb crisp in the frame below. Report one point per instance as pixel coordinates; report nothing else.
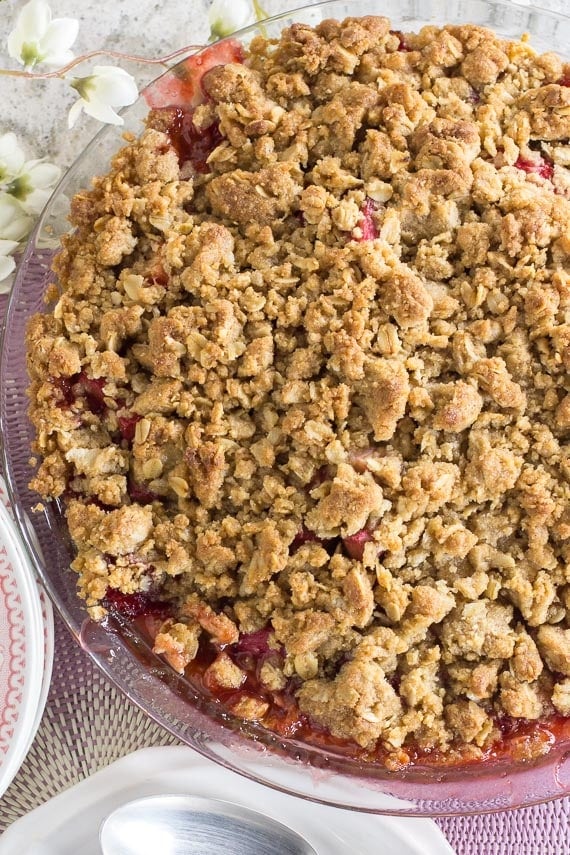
(303, 386)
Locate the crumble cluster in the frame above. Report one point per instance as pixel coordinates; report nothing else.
(321, 385)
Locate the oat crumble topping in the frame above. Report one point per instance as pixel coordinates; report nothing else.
(314, 381)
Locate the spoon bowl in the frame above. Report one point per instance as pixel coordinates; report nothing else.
(192, 825)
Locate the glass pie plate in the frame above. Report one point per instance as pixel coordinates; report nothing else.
(319, 774)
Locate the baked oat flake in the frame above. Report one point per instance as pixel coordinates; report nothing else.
(303, 385)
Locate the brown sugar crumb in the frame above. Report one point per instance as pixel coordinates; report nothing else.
(224, 672)
(307, 387)
(178, 643)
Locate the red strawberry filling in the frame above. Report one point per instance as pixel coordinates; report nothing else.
(355, 543)
(323, 473)
(254, 643)
(82, 386)
(403, 45)
(541, 167)
(128, 425)
(302, 537)
(367, 226)
(140, 492)
(133, 605)
(157, 275)
(253, 649)
(64, 385)
(181, 89)
(193, 144)
(359, 457)
(93, 392)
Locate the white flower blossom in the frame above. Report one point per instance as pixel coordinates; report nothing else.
(106, 88)
(37, 38)
(14, 225)
(33, 185)
(25, 187)
(14, 222)
(7, 263)
(227, 16)
(12, 157)
(28, 182)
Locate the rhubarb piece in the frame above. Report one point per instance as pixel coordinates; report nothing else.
(355, 543)
(542, 167)
(367, 225)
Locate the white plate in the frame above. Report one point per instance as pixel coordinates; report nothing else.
(69, 823)
(26, 648)
(47, 620)
(49, 641)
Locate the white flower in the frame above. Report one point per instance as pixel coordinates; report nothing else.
(33, 185)
(36, 38)
(106, 88)
(227, 16)
(12, 157)
(7, 263)
(14, 222)
(28, 182)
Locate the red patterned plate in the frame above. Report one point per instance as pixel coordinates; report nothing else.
(22, 652)
(47, 622)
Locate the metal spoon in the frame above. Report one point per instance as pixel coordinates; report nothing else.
(184, 825)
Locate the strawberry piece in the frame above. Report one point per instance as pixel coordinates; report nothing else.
(64, 385)
(323, 473)
(355, 543)
(254, 643)
(82, 386)
(181, 85)
(191, 143)
(94, 394)
(140, 493)
(303, 536)
(157, 275)
(252, 650)
(359, 457)
(507, 724)
(133, 605)
(403, 46)
(367, 224)
(541, 167)
(128, 424)
(565, 79)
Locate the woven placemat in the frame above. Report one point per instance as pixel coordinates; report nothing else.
(88, 724)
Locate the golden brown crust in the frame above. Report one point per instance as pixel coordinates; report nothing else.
(323, 386)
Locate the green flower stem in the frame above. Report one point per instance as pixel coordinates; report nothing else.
(260, 12)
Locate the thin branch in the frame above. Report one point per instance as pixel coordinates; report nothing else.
(61, 72)
(260, 12)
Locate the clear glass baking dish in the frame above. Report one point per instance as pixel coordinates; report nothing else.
(124, 657)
